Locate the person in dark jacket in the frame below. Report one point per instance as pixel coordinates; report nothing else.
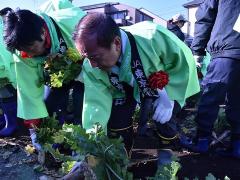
(218, 29)
(175, 24)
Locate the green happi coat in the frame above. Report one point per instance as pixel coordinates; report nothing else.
(29, 71)
(205, 63)
(51, 5)
(159, 49)
(7, 68)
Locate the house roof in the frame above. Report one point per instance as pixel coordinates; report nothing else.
(100, 5)
(150, 13)
(193, 3)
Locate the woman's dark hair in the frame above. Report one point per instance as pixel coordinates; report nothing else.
(102, 26)
(21, 29)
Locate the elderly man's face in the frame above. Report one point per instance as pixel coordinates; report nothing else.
(101, 57)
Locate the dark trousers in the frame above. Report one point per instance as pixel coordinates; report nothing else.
(121, 122)
(56, 100)
(220, 85)
(8, 105)
(9, 108)
(77, 95)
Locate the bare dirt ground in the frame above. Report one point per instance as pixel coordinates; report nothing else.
(14, 161)
(17, 164)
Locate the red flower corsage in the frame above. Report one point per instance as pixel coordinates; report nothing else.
(158, 80)
(24, 55)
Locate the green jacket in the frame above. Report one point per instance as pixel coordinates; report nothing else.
(51, 5)
(29, 71)
(159, 49)
(205, 63)
(7, 68)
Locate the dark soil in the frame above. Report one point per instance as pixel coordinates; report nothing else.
(15, 164)
(192, 164)
(195, 165)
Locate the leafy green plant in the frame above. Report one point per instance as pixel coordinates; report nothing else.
(210, 176)
(221, 123)
(167, 172)
(106, 156)
(67, 166)
(136, 114)
(62, 69)
(47, 129)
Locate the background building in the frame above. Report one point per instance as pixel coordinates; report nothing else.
(155, 17)
(191, 11)
(124, 15)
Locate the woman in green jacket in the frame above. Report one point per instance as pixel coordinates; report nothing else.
(32, 38)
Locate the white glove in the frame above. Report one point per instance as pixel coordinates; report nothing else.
(163, 107)
(33, 137)
(198, 60)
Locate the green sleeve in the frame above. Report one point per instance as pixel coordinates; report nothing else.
(178, 62)
(55, 5)
(7, 67)
(30, 96)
